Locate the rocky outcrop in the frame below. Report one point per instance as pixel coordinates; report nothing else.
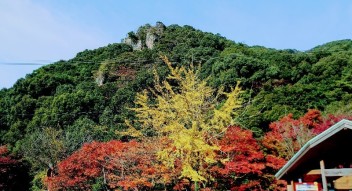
(146, 37)
(136, 45)
(150, 39)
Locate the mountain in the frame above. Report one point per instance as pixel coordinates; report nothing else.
(88, 97)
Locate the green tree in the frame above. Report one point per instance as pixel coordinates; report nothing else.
(43, 148)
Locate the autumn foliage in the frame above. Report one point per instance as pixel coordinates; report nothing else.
(6, 166)
(288, 135)
(112, 165)
(13, 174)
(189, 116)
(240, 160)
(241, 163)
(187, 140)
(134, 166)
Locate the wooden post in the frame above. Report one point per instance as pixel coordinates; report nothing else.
(290, 187)
(323, 177)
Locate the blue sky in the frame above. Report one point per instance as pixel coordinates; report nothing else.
(44, 31)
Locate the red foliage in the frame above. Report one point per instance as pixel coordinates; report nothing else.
(242, 150)
(12, 172)
(5, 159)
(312, 119)
(244, 160)
(274, 162)
(125, 165)
(241, 165)
(288, 135)
(6, 166)
(330, 121)
(250, 185)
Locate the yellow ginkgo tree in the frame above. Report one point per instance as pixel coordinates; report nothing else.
(189, 114)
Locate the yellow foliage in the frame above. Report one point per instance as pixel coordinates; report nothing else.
(189, 172)
(187, 115)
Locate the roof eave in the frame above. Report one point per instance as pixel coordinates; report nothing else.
(312, 143)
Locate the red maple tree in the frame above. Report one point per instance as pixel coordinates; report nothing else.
(113, 164)
(241, 161)
(13, 173)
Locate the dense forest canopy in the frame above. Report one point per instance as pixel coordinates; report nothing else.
(52, 112)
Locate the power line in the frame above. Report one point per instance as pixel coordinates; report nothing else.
(122, 60)
(52, 113)
(23, 63)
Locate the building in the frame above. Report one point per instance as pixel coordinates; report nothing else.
(323, 163)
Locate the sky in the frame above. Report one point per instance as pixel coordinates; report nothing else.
(38, 32)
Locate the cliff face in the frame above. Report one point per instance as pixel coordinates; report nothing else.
(136, 45)
(150, 39)
(145, 37)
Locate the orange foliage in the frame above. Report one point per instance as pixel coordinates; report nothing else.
(242, 160)
(123, 165)
(288, 135)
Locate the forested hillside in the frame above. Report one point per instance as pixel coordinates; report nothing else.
(48, 116)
